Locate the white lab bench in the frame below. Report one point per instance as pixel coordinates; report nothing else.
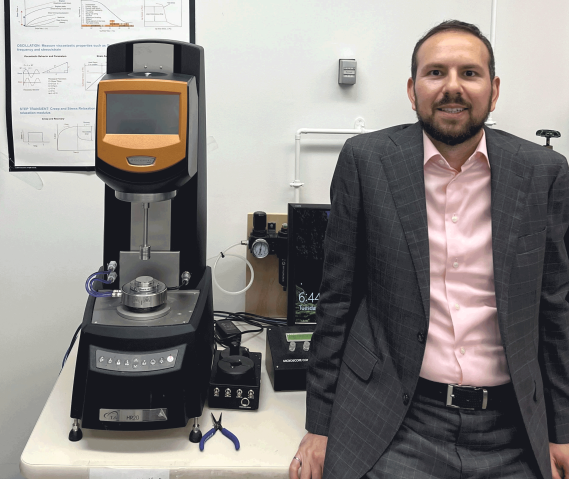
(269, 438)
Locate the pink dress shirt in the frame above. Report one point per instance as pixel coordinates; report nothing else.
(463, 344)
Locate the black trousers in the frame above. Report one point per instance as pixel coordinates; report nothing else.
(437, 442)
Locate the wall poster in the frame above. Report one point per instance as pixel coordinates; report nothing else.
(55, 57)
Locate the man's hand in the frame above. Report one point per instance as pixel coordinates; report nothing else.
(310, 456)
(559, 454)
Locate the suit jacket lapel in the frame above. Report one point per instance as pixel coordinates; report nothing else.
(509, 184)
(404, 171)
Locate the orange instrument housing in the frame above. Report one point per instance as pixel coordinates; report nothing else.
(167, 149)
(147, 131)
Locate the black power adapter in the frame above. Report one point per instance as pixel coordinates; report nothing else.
(227, 331)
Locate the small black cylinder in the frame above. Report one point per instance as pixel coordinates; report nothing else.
(259, 223)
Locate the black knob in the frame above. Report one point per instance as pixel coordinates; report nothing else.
(234, 348)
(259, 224)
(547, 134)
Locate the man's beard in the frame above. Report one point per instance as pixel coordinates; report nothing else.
(452, 138)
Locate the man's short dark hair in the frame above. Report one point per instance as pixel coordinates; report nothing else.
(457, 26)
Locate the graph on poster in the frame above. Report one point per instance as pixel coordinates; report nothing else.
(163, 14)
(42, 76)
(45, 14)
(33, 138)
(30, 77)
(75, 138)
(92, 73)
(99, 15)
(61, 68)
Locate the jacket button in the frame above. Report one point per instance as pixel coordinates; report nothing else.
(420, 337)
(405, 399)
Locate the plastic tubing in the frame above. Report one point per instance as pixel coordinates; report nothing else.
(96, 293)
(223, 255)
(89, 285)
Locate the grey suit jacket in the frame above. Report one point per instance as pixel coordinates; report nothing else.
(373, 312)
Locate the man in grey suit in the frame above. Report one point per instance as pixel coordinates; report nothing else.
(442, 341)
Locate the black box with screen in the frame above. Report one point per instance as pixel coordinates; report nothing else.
(307, 227)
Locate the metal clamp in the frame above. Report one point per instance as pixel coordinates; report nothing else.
(450, 396)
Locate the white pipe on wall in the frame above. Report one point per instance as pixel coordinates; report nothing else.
(297, 184)
(490, 122)
(493, 23)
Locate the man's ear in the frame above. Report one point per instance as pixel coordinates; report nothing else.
(411, 93)
(495, 93)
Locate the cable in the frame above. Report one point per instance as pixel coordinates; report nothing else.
(70, 347)
(89, 288)
(223, 254)
(245, 317)
(185, 282)
(255, 320)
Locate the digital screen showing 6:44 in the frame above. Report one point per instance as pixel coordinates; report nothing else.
(306, 305)
(307, 229)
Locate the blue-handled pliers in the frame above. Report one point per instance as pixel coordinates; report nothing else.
(218, 427)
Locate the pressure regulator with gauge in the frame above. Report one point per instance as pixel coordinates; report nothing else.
(260, 248)
(265, 240)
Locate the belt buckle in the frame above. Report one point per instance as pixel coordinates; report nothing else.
(450, 396)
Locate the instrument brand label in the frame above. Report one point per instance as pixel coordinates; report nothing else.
(133, 415)
(141, 160)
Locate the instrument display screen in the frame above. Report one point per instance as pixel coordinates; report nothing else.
(298, 337)
(143, 113)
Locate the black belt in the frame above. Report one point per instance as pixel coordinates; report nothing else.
(468, 397)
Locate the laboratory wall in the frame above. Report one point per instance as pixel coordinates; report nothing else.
(271, 68)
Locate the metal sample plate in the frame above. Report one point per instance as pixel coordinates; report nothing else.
(134, 316)
(181, 303)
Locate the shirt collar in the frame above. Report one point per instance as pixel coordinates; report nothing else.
(430, 150)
